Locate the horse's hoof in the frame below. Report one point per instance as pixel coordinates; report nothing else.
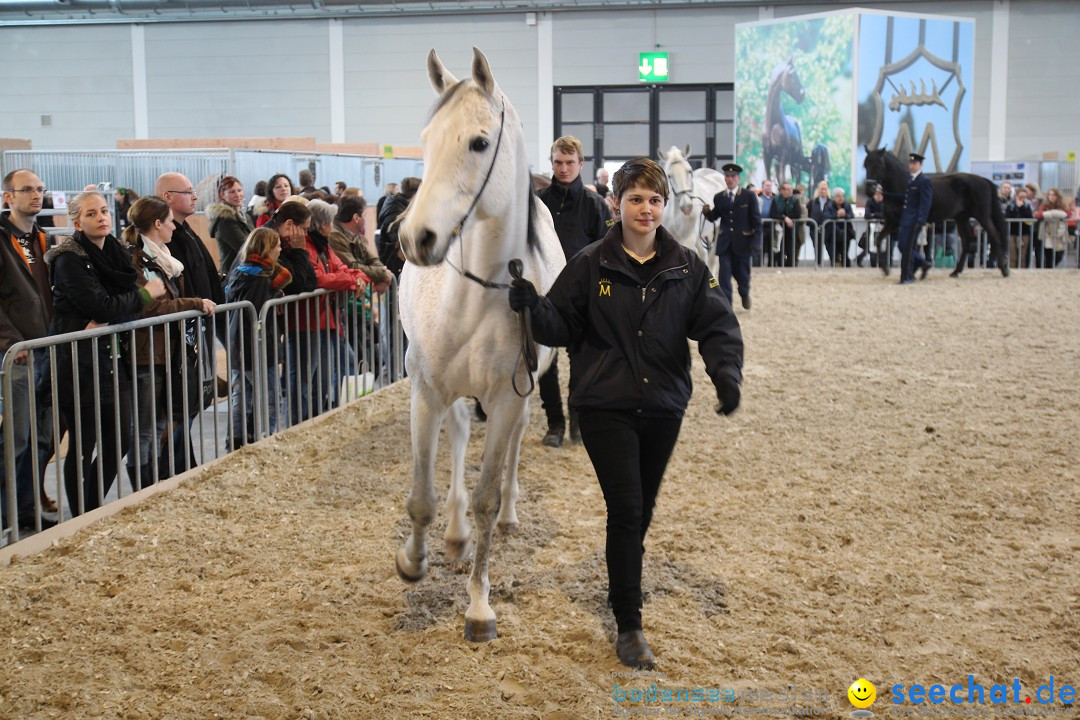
(954, 273)
(457, 550)
(401, 562)
(508, 528)
(1004, 271)
(479, 630)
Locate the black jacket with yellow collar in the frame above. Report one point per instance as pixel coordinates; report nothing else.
(24, 312)
(628, 340)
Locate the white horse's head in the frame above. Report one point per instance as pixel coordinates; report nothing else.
(471, 144)
(680, 176)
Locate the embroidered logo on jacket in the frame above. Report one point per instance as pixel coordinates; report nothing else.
(605, 287)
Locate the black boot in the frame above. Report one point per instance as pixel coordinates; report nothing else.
(554, 435)
(634, 651)
(575, 429)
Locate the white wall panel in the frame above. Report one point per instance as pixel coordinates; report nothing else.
(598, 48)
(78, 75)
(388, 95)
(239, 79)
(1043, 107)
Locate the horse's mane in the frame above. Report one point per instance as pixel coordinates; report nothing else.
(532, 240)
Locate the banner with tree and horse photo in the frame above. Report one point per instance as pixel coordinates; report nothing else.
(794, 100)
(811, 91)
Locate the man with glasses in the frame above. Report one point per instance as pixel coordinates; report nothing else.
(25, 312)
(200, 279)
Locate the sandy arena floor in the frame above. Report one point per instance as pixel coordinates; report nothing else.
(896, 499)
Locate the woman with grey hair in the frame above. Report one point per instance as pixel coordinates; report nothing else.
(317, 340)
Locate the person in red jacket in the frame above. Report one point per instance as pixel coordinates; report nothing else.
(318, 352)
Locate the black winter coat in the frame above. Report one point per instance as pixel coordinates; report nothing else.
(580, 215)
(389, 245)
(99, 285)
(628, 341)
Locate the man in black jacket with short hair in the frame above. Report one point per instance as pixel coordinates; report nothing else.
(581, 218)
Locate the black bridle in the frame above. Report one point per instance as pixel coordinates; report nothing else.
(690, 191)
(528, 353)
(456, 234)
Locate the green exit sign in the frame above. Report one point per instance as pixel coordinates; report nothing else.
(653, 67)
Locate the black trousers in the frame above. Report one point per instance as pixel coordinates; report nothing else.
(629, 454)
(81, 424)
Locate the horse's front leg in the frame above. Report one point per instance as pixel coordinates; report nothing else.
(425, 419)
(508, 519)
(457, 526)
(502, 420)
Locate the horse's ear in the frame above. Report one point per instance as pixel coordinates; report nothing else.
(660, 154)
(686, 153)
(481, 72)
(866, 148)
(440, 77)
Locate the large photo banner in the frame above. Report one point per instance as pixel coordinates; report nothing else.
(914, 89)
(794, 100)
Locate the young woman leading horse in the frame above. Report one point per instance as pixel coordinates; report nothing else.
(625, 307)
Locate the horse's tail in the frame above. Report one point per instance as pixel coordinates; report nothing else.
(990, 207)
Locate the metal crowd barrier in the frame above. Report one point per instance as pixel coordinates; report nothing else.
(1045, 243)
(284, 365)
(102, 388)
(323, 349)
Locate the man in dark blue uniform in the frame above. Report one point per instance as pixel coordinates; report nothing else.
(917, 200)
(739, 232)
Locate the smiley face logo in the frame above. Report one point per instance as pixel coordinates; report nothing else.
(862, 693)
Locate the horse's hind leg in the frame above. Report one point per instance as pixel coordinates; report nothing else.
(967, 245)
(502, 420)
(457, 526)
(425, 420)
(508, 520)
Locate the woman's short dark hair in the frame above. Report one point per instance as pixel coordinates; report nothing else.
(640, 171)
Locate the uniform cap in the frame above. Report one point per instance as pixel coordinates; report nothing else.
(731, 169)
(915, 157)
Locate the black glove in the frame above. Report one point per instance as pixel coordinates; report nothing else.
(728, 393)
(523, 295)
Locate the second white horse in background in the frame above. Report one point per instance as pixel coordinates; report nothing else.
(690, 191)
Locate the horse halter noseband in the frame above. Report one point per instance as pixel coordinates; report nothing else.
(527, 353)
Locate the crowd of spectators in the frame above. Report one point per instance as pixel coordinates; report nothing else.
(133, 396)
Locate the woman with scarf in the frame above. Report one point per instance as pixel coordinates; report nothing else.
(257, 277)
(147, 238)
(318, 339)
(94, 284)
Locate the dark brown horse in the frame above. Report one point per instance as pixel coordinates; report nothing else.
(781, 143)
(957, 196)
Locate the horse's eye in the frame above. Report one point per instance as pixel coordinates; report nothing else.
(479, 144)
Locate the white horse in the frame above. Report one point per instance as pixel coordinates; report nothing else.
(691, 190)
(474, 212)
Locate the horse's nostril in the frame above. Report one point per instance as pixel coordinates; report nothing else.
(427, 240)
